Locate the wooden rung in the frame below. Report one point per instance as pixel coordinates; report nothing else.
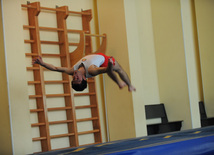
(36, 110)
(35, 96)
(85, 106)
(57, 10)
(52, 55)
(29, 41)
(84, 94)
(29, 6)
(44, 54)
(76, 31)
(28, 27)
(76, 44)
(59, 108)
(95, 35)
(60, 122)
(57, 95)
(50, 42)
(39, 138)
(87, 119)
(34, 82)
(62, 135)
(50, 29)
(73, 44)
(32, 68)
(90, 80)
(87, 132)
(31, 54)
(55, 82)
(52, 9)
(37, 124)
(43, 8)
(81, 13)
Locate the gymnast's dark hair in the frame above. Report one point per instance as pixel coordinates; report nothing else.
(79, 87)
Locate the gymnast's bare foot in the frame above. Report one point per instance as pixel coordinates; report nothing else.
(132, 88)
(122, 84)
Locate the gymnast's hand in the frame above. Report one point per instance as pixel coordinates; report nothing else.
(38, 60)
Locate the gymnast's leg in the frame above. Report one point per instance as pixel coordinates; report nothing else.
(125, 79)
(113, 76)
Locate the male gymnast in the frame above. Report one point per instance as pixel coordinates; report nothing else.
(89, 66)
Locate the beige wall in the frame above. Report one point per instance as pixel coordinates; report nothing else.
(17, 85)
(205, 24)
(5, 130)
(163, 57)
(170, 60)
(119, 102)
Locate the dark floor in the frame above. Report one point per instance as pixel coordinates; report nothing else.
(188, 142)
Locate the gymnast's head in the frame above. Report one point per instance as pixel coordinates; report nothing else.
(79, 82)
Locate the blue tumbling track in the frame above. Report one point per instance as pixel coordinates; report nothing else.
(190, 142)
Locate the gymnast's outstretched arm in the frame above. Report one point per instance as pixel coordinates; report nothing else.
(51, 67)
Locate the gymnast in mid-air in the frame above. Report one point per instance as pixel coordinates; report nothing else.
(89, 66)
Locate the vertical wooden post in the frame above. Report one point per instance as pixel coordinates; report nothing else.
(92, 85)
(38, 76)
(65, 62)
(86, 27)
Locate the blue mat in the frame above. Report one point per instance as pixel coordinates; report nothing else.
(189, 142)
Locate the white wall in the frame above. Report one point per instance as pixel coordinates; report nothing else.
(192, 59)
(142, 59)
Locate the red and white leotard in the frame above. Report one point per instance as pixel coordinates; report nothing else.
(98, 59)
